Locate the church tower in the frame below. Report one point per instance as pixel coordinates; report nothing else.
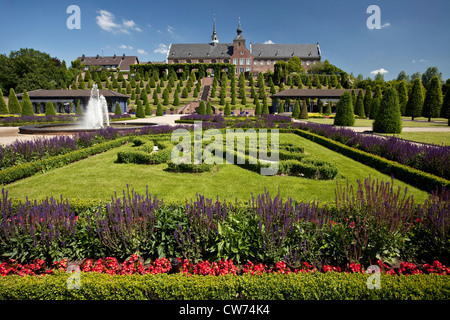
(214, 37)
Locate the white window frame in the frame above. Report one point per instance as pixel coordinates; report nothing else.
(235, 61)
(249, 62)
(242, 62)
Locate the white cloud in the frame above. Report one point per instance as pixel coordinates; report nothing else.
(162, 48)
(170, 30)
(107, 21)
(142, 51)
(268, 42)
(382, 71)
(385, 25)
(130, 24)
(420, 60)
(123, 46)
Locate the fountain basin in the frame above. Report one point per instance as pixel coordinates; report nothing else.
(71, 128)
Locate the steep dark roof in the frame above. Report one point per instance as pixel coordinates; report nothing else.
(70, 94)
(200, 50)
(279, 51)
(313, 93)
(123, 62)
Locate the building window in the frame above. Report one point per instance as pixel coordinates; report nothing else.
(235, 70)
(235, 62)
(242, 53)
(241, 70)
(255, 62)
(268, 62)
(248, 69)
(249, 61)
(241, 62)
(262, 62)
(307, 63)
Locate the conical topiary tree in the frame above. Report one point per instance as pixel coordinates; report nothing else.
(402, 96)
(118, 109)
(3, 106)
(433, 100)
(388, 118)
(359, 107)
(50, 109)
(304, 111)
(159, 110)
(209, 108)
(78, 110)
(327, 109)
(202, 108)
(140, 112)
(367, 101)
(281, 107)
(13, 103)
(258, 108)
(415, 100)
(227, 110)
(296, 111)
(344, 112)
(445, 110)
(148, 109)
(265, 108)
(374, 108)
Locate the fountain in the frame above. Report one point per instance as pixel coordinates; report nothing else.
(96, 117)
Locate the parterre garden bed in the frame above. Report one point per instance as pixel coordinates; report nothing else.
(371, 223)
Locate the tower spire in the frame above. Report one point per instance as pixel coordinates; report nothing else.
(214, 37)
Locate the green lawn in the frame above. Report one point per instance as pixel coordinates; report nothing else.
(99, 176)
(421, 122)
(440, 138)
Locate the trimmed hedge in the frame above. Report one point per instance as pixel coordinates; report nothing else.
(302, 286)
(189, 167)
(28, 169)
(419, 179)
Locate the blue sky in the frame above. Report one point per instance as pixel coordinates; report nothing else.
(414, 34)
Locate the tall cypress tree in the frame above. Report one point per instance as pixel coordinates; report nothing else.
(296, 111)
(227, 111)
(359, 107)
(50, 109)
(388, 119)
(344, 112)
(3, 106)
(78, 110)
(374, 108)
(258, 108)
(433, 100)
(265, 108)
(304, 111)
(140, 112)
(415, 100)
(402, 96)
(202, 108)
(367, 101)
(445, 110)
(208, 108)
(13, 103)
(159, 110)
(27, 106)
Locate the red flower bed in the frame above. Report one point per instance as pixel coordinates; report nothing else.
(134, 265)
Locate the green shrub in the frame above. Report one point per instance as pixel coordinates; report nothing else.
(3, 106)
(118, 109)
(13, 103)
(433, 100)
(28, 169)
(189, 167)
(159, 110)
(419, 179)
(50, 109)
(140, 112)
(344, 112)
(27, 106)
(302, 286)
(304, 112)
(388, 118)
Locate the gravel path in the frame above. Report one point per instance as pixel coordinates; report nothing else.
(11, 134)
